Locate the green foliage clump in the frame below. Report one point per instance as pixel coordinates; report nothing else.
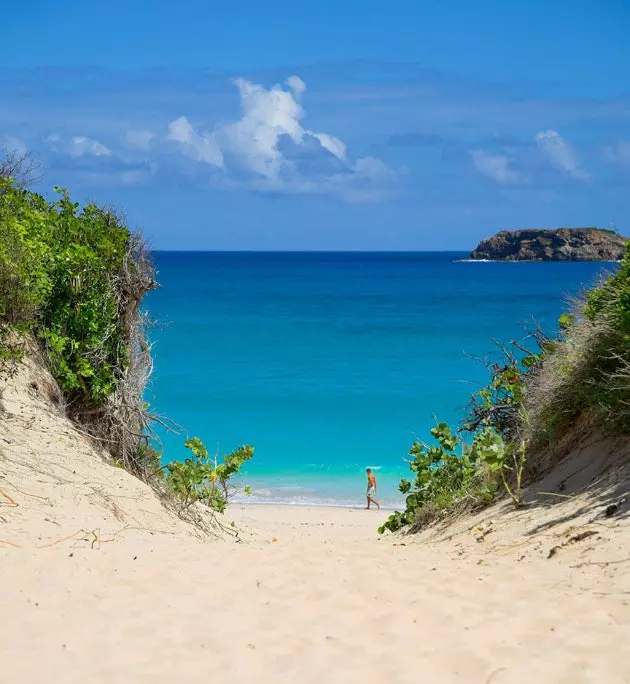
(59, 271)
(612, 298)
(588, 372)
(74, 277)
(500, 457)
(443, 476)
(202, 478)
(531, 399)
(454, 472)
(24, 255)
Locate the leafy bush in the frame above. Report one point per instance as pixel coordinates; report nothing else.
(58, 271)
(493, 459)
(588, 372)
(531, 399)
(74, 277)
(442, 477)
(612, 298)
(201, 478)
(24, 281)
(499, 457)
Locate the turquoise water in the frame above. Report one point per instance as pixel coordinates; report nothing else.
(332, 362)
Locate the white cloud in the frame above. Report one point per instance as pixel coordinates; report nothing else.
(296, 84)
(495, 167)
(332, 144)
(267, 115)
(200, 147)
(269, 149)
(139, 140)
(618, 153)
(81, 146)
(77, 146)
(558, 151)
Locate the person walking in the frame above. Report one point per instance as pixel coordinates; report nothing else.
(371, 490)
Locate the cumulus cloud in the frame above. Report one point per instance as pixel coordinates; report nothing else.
(495, 167)
(201, 147)
(77, 146)
(558, 151)
(269, 149)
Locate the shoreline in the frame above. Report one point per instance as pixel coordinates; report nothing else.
(242, 501)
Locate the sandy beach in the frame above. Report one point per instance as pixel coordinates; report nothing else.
(311, 595)
(103, 584)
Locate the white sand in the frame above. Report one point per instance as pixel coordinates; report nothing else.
(309, 595)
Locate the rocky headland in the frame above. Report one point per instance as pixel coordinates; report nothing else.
(562, 244)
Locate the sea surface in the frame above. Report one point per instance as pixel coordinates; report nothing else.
(329, 363)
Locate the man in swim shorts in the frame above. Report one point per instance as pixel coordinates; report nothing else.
(371, 489)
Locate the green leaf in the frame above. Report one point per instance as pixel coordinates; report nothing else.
(566, 320)
(404, 486)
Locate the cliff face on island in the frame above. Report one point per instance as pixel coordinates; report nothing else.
(563, 244)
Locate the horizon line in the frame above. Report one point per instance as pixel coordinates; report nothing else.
(316, 251)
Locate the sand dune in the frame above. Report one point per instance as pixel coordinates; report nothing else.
(101, 584)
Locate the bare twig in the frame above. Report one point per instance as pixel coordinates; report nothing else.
(20, 166)
(10, 543)
(12, 502)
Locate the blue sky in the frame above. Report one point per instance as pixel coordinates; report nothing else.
(326, 125)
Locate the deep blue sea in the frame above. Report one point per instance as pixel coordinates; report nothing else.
(332, 362)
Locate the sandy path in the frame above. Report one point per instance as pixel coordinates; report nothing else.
(329, 601)
(326, 602)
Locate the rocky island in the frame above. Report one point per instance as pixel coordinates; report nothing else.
(562, 244)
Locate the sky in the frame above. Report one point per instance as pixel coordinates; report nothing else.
(326, 125)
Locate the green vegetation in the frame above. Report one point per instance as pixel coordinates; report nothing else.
(442, 477)
(56, 264)
(201, 478)
(580, 378)
(72, 279)
(588, 373)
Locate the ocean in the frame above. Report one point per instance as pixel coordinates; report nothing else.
(329, 363)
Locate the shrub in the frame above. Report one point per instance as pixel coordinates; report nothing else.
(612, 298)
(58, 273)
(442, 477)
(201, 478)
(588, 372)
(75, 278)
(531, 399)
